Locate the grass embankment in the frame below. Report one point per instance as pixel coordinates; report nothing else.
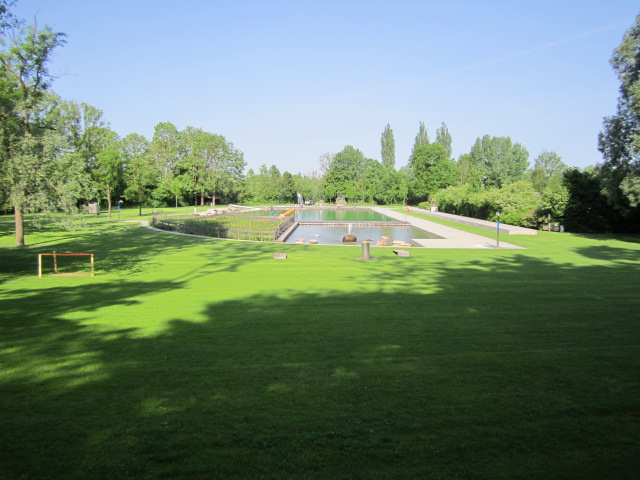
(200, 358)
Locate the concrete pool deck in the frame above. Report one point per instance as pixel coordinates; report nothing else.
(451, 237)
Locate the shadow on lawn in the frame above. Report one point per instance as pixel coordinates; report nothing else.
(610, 254)
(125, 249)
(460, 382)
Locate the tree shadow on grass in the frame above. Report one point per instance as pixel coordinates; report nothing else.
(126, 249)
(443, 373)
(622, 237)
(610, 254)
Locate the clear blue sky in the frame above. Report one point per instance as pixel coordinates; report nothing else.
(287, 81)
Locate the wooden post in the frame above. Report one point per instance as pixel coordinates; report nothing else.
(55, 263)
(39, 265)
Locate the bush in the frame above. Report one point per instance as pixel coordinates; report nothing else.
(517, 202)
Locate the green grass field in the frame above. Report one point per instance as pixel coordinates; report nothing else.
(192, 358)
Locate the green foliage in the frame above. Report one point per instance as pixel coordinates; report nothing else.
(443, 137)
(138, 169)
(345, 170)
(310, 186)
(28, 162)
(193, 164)
(287, 188)
(388, 147)
(499, 161)
(547, 170)
(431, 170)
(586, 209)
(619, 140)
(555, 199)
(518, 203)
(422, 138)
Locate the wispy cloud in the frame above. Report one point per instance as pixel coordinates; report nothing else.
(489, 63)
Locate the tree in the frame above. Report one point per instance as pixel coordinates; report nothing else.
(25, 81)
(388, 147)
(6, 17)
(325, 160)
(369, 184)
(422, 138)
(443, 137)
(432, 170)
(165, 154)
(310, 186)
(109, 168)
(498, 160)
(465, 168)
(139, 173)
(619, 141)
(586, 207)
(223, 165)
(547, 170)
(344, 171)
(393, 186)
(287, 188)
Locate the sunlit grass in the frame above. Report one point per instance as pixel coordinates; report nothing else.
(201, 358)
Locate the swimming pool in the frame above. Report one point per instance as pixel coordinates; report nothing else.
(327, 226)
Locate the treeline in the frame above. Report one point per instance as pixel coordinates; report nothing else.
(494, 175)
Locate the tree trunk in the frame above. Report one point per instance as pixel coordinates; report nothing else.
(201, 199)
(108, 202)
(19, 227)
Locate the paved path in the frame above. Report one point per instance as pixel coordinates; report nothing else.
(475, 222)
(451, 237)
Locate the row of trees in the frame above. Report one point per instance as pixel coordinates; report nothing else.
(493, 162)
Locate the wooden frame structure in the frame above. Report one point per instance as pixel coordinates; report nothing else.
(55, 256)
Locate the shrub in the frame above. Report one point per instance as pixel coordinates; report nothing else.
(517, 202)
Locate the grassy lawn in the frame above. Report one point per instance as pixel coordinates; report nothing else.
(199, 358)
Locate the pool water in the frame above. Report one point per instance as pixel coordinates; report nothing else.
(332, 234)
(334, 215)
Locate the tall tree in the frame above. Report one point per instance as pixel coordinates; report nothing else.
(443, 137)
(139, 173)
(547, 169)
(498, 160)
(388, 147)
(25, 77)
(287, 188)
(432, 170)
(345, 169)
(165, 153)
(422, 138)
(619, 141)
(109, 168)
(586, 208)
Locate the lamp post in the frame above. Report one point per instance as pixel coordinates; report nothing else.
(498, 230)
